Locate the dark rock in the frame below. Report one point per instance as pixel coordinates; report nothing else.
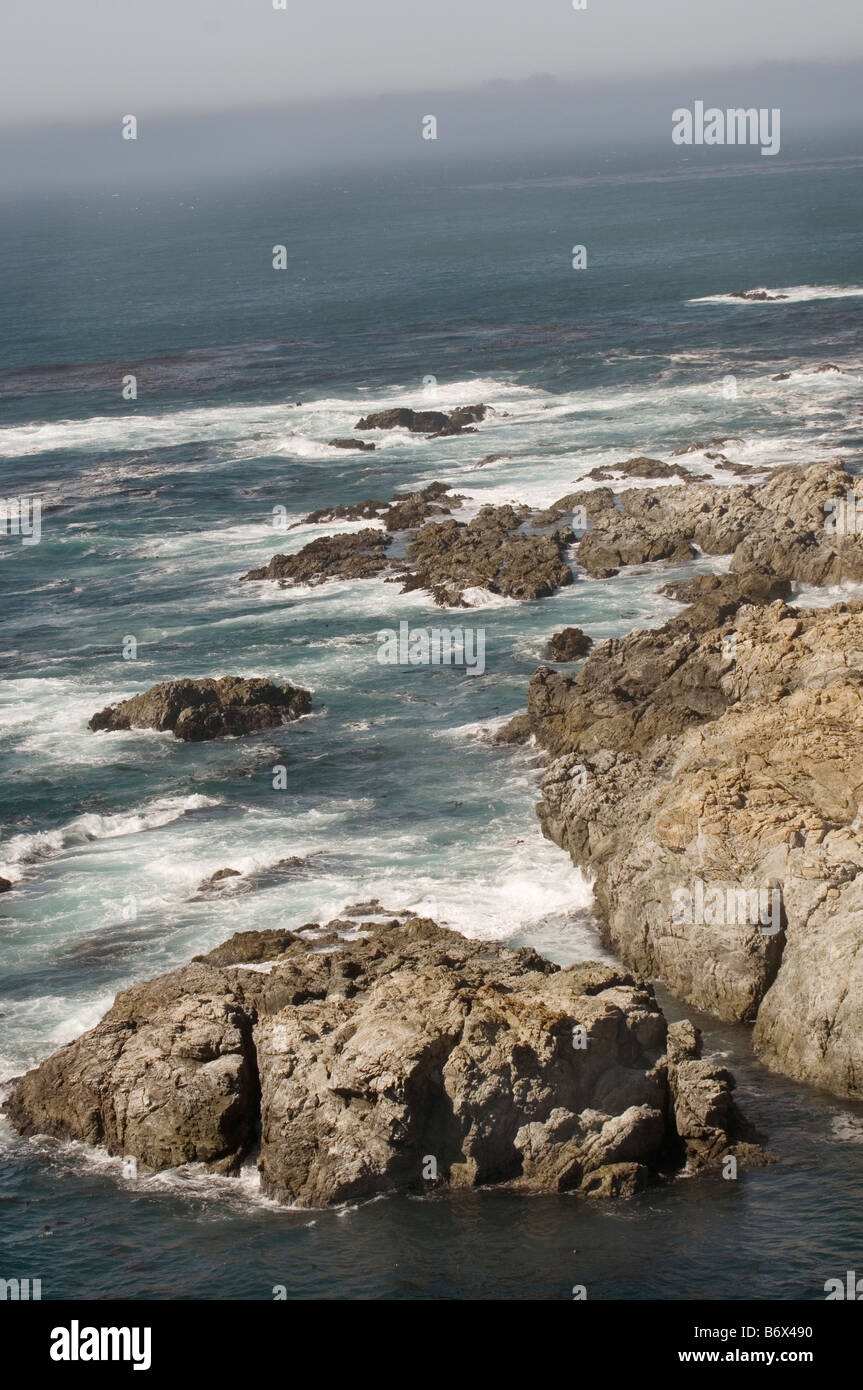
(435, 423)
(361, 444)
(403, 511)
(640, 468)
(758, 295)
(490, 552)
(357, 555)
(195, 710)
(5, 885)
(569, 645)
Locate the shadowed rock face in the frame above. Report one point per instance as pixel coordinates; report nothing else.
(724, 750)
(408, 1058)
(195, 710)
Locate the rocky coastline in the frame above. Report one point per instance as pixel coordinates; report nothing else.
(706, 774)
(386, 1054)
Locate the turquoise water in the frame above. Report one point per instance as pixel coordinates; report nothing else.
(152, 510)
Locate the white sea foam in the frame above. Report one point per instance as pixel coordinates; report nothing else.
(20, 850)
(792, 294)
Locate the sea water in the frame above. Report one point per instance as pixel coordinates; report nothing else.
(152, 509)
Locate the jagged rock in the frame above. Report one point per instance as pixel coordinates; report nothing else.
(706, 1116)
(615, 1180)
(195, 710)
(759, 295)
(436, 423)
(640, 467)
(362, 445)
(781, 525)
(750, 586)
(403, 511)
(405, 1059)
(489, 552)
(354, 555)
(570, 644)
(719, 758)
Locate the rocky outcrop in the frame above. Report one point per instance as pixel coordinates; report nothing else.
(791, 525)
(640, 467)
(195, 710)
(570, 644)
(502, 549)
(359, 444)
(402, 1059)
(437, 424)
(5, 885)
(354, 555)
(403, 511)
(759, 296)
(709, 774)
(490, 552)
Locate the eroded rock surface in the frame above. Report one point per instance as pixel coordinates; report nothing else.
(517, 552)
(397, 1059)
(195, 710)
(714, 767)
(490, 552)
(787, 524)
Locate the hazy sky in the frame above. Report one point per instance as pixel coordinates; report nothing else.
(72, 60)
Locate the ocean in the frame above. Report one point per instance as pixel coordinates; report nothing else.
(432, 290)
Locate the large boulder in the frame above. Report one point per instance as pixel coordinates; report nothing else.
(400, 1059)
(195, 710)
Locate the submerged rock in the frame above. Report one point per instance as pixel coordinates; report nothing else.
(360, 444)
(195, 710)
(403, 1060)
